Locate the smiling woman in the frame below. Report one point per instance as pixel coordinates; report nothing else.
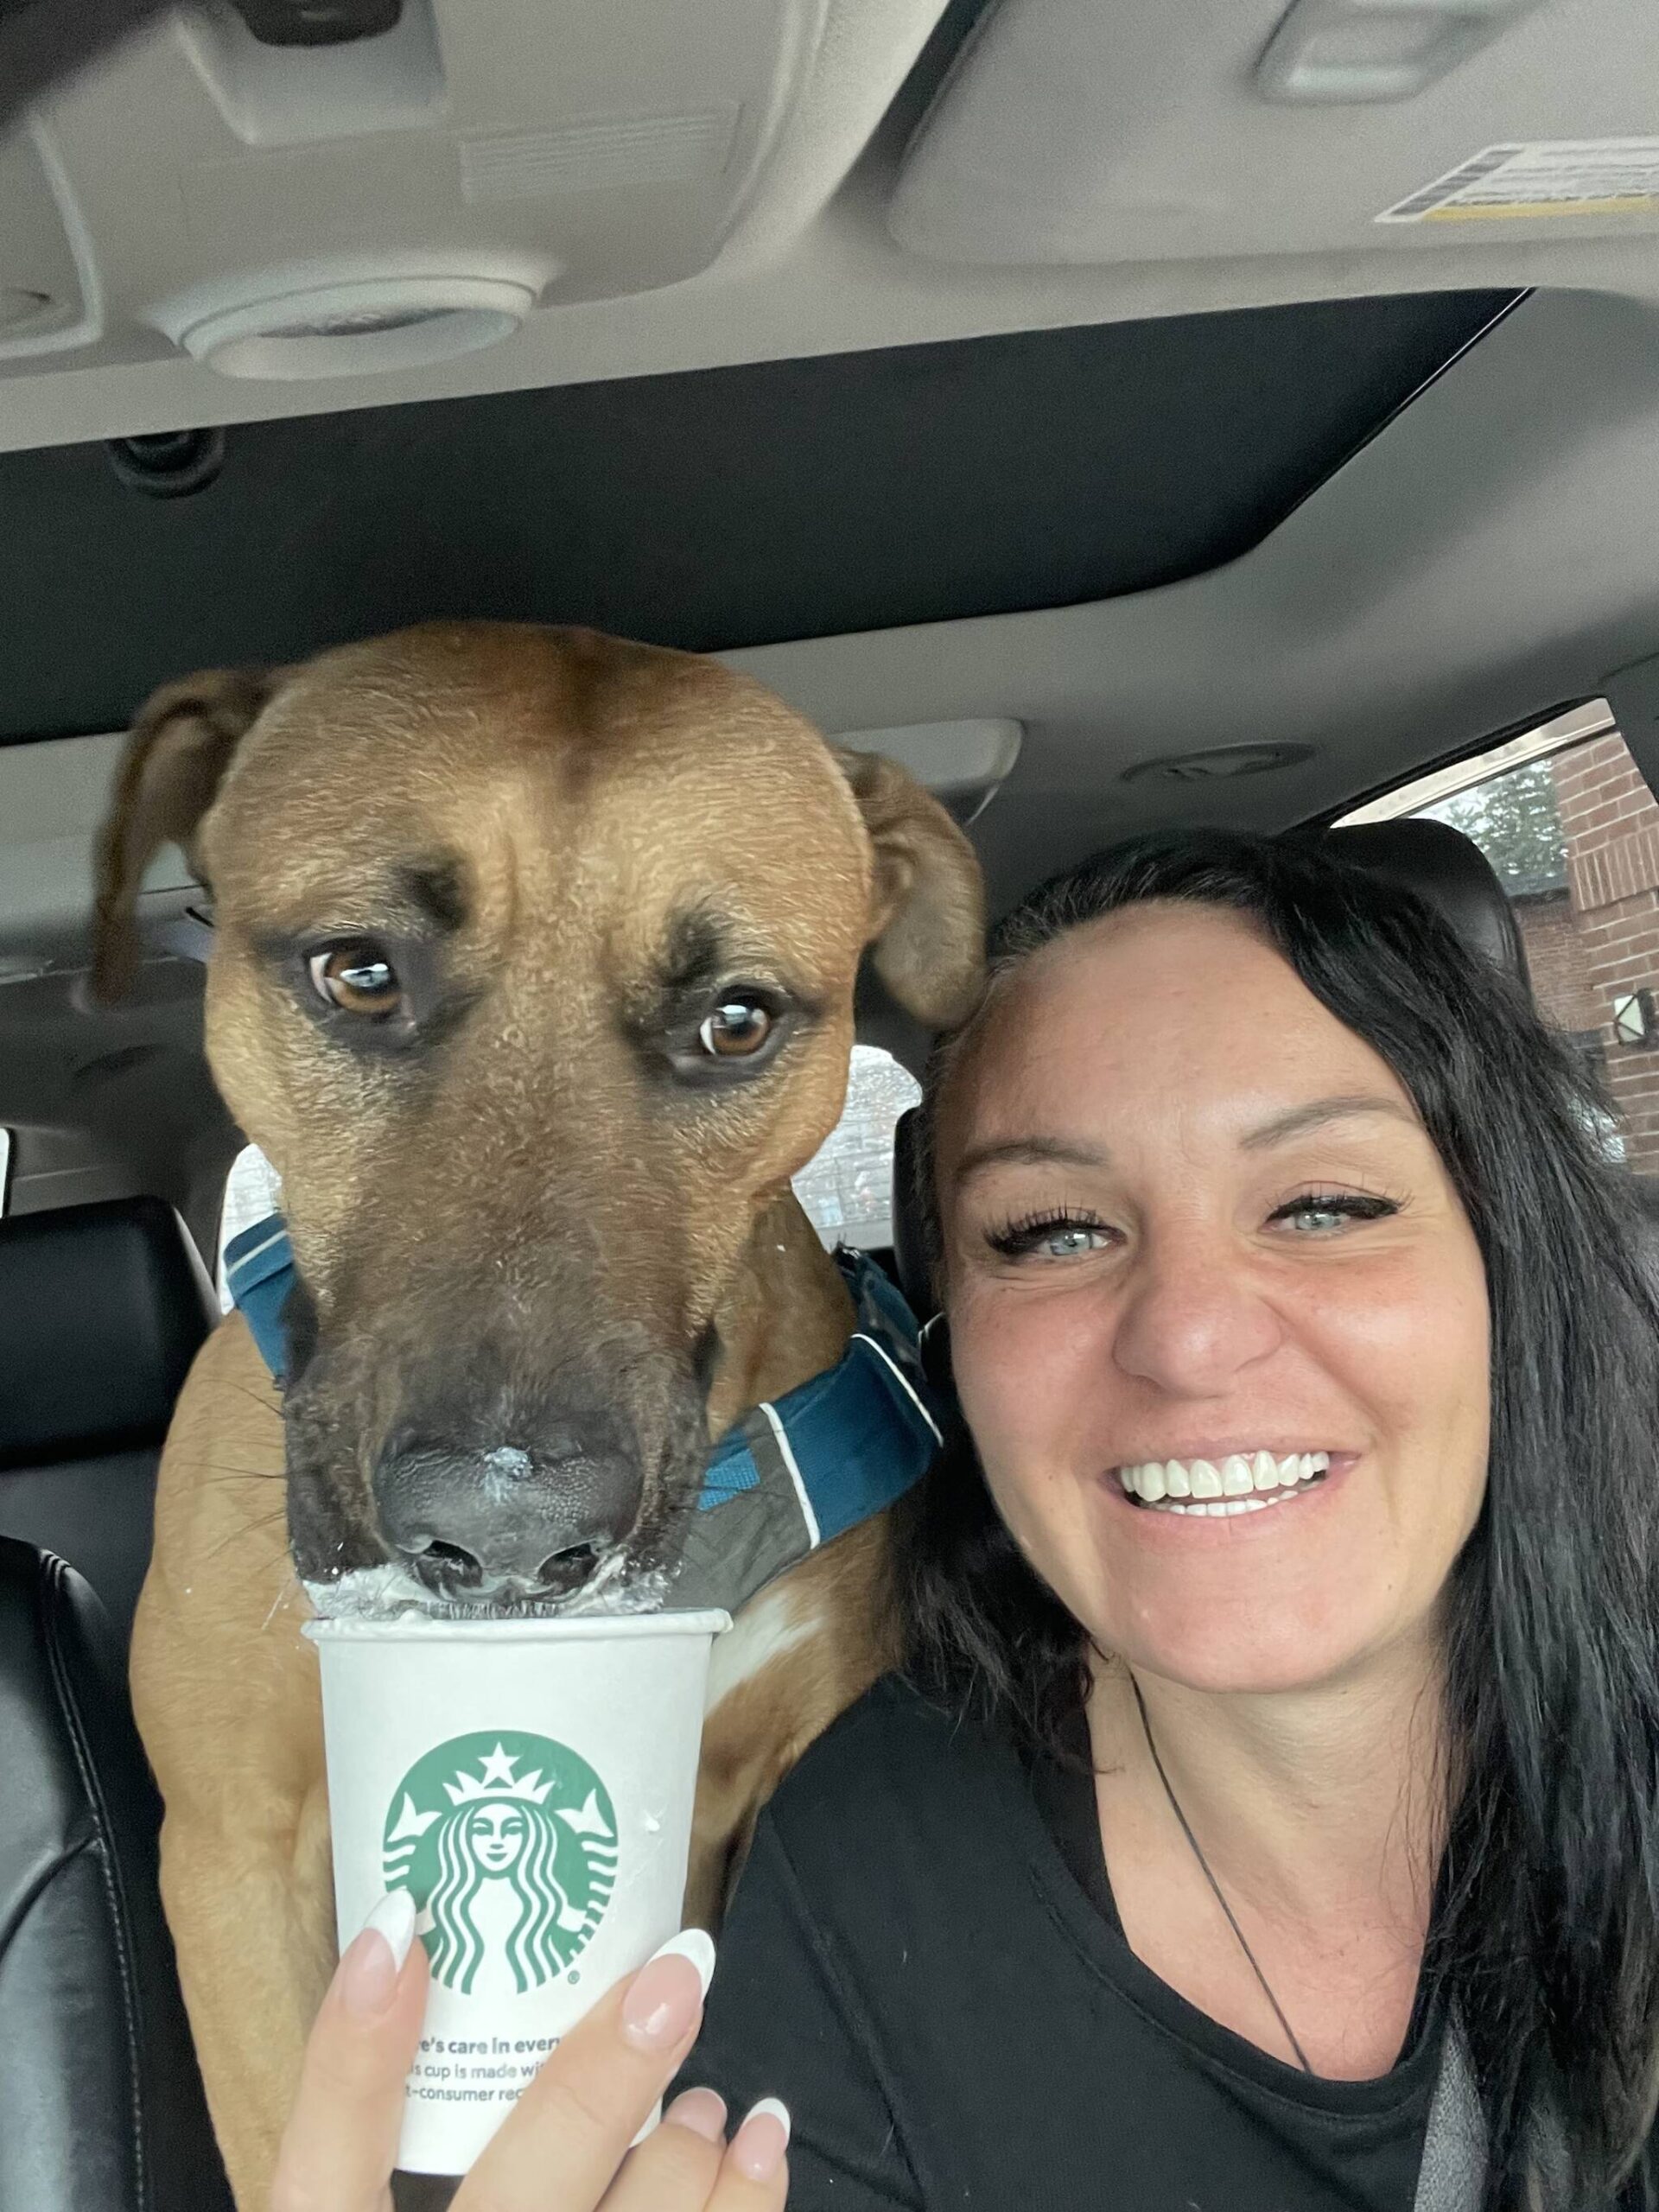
(1211, 1255)
(1268, 1806)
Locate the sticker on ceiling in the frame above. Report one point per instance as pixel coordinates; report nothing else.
(1521, 182)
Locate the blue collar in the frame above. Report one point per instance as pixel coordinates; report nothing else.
(790, 1476)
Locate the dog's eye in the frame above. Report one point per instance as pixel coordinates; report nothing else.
(356, 978)
(736, 1029)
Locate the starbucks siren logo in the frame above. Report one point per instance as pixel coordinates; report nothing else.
(507, 1843)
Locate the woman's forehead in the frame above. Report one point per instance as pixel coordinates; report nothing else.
(1159, 1003)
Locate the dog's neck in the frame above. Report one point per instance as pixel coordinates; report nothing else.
(788, 1317)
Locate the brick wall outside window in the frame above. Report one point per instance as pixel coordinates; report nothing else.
(1599, 938)
(1550, 931)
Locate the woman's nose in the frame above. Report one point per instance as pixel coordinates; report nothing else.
(1192, 1317)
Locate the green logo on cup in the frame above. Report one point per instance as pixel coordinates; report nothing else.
(507, 1843)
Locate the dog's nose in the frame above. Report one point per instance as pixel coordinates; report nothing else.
(503, 1522)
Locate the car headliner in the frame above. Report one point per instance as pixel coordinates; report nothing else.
(1485, 560)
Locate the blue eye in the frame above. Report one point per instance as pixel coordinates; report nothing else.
(1048, 1236)
(1315, 1214)
(1064, 1243)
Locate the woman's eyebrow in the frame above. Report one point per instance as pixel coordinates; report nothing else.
(1317, 1111)
(1067, 1152)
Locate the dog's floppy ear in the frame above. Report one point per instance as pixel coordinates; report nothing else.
(927, 920)
(174, 761)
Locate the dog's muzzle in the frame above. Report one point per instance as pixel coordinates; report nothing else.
(504, 1524)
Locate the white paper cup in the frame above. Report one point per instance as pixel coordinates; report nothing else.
(531, 1783)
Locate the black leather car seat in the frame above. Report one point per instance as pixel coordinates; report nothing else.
(1438, 862)
(102, 2108)
(102, 1310)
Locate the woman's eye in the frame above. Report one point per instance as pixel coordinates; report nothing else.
(1065, 1243)
(1312, 1215)
(358, 979)
(1051, 1236)
(735, 1030)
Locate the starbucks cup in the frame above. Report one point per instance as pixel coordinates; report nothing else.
(530, 1783)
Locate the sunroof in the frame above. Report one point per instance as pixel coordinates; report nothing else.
(722, 508)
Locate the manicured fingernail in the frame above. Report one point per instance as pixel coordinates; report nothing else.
(758, 2145)
(696, 1944)
(700, 2110)
(369, 1971)
(665, 1996)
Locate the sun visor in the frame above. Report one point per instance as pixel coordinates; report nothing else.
(1074, 132)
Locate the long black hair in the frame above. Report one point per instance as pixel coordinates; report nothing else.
(1545, 1930)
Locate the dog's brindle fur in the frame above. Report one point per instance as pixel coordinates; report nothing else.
(525, 1211)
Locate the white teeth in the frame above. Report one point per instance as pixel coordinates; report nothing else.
(1216, 1508)
(1215, 1490)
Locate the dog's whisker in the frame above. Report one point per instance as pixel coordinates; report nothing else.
(249, 1527)
(268, 1404)
(290, 1589)
(228, 1469)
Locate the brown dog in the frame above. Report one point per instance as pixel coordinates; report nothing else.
(534, 978)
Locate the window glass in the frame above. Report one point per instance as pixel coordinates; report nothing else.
(5, 1168)
(1572, 832)
(252, 1190)
(846, 1186)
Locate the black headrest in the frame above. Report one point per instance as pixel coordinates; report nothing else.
(909, 1239)
(1449, 872)
(102, 1310)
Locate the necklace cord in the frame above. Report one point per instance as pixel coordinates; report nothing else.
(1209, 1876)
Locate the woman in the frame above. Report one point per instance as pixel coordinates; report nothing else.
(1265, 1815)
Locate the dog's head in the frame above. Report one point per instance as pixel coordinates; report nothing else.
(533, 976)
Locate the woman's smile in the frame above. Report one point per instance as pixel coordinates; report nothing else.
(1225, 1482)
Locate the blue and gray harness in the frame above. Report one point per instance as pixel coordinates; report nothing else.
(789, 1476)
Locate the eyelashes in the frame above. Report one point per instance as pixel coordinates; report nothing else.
(1349, 1205)
(1025, 1234)
(1013, 1239)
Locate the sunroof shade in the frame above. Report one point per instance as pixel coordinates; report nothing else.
(722, 508)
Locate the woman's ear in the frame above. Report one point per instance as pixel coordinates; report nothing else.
(927, 908)
(174, 761)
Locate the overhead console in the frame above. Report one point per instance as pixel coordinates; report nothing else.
(324, 190)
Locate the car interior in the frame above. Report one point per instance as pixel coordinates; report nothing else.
(1124, 417)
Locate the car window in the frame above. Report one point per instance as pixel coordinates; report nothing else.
(846, 1187)
(1573, 831)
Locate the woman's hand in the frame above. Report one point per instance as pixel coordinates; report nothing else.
(565, 2145)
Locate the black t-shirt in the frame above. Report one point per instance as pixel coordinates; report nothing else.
(922, 1959)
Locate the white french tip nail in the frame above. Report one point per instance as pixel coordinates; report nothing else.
(774, 2107)
(693, 1943)
(394, 1919)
